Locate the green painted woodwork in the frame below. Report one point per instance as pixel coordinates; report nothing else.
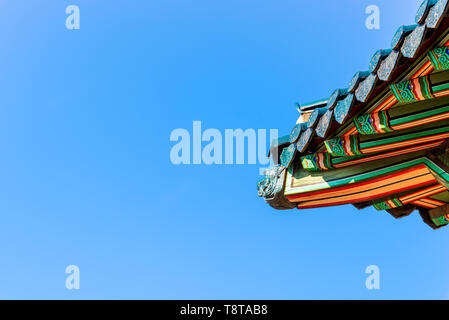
(316, 161)
(373, 123)
(386, 204)
(418, 116)
(403, 137)
(439, 58)
(343, 146)
(314, 181)
(412, 90)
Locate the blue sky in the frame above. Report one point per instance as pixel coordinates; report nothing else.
(86, 177)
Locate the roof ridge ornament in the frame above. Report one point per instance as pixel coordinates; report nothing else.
(271, 188)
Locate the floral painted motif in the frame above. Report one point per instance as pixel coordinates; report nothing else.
(343, 146)
(412, 90)
(439, 58)
(377, 122)
(316, 162)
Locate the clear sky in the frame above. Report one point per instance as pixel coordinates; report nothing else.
(85, 171)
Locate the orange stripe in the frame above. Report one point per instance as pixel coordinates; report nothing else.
(423, 204)
(427, 71)
(433, 201)
(361, 187)
(429, 203)
(370, 194)
(389, 101)
(441, 93)
(423, 193)
(424, 70)
(417, 89)
(392, 103)
(362, 182)
(351, 132)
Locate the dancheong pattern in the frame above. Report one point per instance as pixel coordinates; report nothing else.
(439, 58)
(388, 204)
(441, 221)
(316, 162)
(412, 90)
(377, 122)
(383, 140)
(343, 146)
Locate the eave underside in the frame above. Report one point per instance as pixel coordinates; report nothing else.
(383, 141)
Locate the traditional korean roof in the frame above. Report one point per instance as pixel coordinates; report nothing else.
(390, 123)
(326, 116)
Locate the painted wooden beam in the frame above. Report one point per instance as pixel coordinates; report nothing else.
(422, 88)
(324, 161)
(439, 216)
(404, 198)
(439, 58)
(384, 185)
(300, 181)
